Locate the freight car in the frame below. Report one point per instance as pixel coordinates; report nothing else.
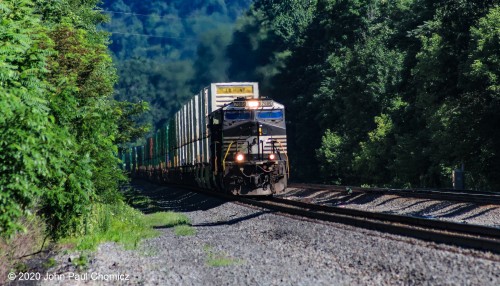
(227, 138)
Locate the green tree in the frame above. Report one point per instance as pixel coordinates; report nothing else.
(264, 37)
(59, 124)
(453, 102)
(167, 50)
(34, 150)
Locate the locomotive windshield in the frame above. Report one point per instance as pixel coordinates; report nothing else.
(238, 115)
(270, 114)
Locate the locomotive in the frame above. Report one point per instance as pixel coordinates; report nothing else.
(226, 138)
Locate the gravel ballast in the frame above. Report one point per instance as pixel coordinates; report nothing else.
(470, 213)
(259, 247)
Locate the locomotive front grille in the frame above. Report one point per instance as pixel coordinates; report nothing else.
(238, 144)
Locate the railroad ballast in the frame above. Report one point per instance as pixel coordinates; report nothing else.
(226, 138)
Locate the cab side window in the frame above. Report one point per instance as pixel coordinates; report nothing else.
(215, 119)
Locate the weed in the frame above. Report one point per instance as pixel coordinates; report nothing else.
(21, 267)
(117, 223)
(51, 262)
(81, 262)
(134, 198)
(166, 219)
(218, 259)
(184, 230)
(123, 224)
(148, 252)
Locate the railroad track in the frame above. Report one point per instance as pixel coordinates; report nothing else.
(467, 196)
(464, 235)
(450, 233)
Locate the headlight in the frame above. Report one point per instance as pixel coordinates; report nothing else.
(272, 156)
(240, 157)
(253, 104)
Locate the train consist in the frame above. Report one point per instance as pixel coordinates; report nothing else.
(226, 138)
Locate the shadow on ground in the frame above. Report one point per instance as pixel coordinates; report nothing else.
(233, 221)
(150, 197)
(419, 207)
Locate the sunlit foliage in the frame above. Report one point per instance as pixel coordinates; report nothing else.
(59, 127)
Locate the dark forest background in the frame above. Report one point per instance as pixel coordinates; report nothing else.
(387, 93)
(165, 51)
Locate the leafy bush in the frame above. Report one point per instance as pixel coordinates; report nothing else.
(123, 224)
(59, 127)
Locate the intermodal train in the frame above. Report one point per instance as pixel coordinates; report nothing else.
(226, 138)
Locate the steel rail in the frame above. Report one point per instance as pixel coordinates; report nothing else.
(467, 196)
(464, 235)
(450, 233)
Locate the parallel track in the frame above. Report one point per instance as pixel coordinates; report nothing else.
(464, 235)
(467, 196)
(450, 233)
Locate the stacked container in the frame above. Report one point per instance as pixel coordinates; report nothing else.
(191, 122)
(185, 139)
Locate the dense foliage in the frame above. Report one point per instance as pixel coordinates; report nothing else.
(59, 124)
(396, 93)
(168, 49)
(382, 92)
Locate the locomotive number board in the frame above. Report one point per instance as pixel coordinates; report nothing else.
(243, 89)
(254, 103)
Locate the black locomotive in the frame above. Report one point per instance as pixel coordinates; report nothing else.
(226, 138)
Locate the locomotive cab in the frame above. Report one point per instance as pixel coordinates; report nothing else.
(249, 136)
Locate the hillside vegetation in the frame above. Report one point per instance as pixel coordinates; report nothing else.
(395, 93)
(161, 49)
(59, 123)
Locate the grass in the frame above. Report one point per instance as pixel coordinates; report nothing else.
(137, 200)
(119, 222)
(51, 262)
(219, 259)
(148, 251)
(123, 224)
(167, 219)
(21, 267)
(184, 230)
(81, 262)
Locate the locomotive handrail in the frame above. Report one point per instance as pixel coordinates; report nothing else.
(225, 156)
(287, 161)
